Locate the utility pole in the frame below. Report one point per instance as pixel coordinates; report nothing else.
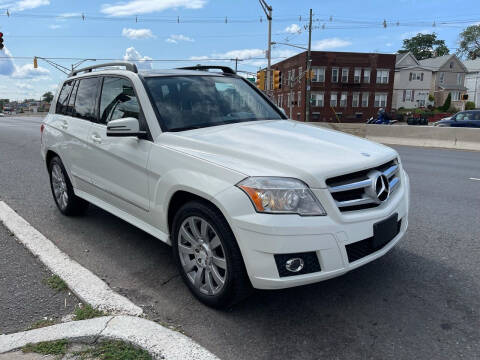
(267, 9)
(309, 63)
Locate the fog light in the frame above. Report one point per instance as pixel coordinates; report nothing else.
(294, 264)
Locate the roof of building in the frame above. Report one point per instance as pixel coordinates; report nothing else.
(436, 62)
(472, 65)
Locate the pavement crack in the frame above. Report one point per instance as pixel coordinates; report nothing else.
(169, 279)
(99, 335)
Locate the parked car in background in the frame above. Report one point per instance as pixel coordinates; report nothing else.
(2, 114)
(470, 118)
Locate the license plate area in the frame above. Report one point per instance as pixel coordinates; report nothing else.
(384, 231)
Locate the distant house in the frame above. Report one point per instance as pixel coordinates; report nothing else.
(472, 80)
(412, 82)
(448, 76)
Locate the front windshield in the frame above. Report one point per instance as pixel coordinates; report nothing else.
(190, 102)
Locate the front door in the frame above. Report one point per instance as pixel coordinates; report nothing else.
(119, 164)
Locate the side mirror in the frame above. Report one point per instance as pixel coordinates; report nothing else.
(125, 127)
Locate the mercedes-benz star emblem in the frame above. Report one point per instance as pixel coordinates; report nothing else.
(379, 191)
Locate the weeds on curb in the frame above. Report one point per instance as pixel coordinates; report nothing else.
(56, 283)
(58, 347)
(42, 323)
(85, 312)
(114, 350)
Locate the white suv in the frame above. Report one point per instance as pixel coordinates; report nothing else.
(205, 162)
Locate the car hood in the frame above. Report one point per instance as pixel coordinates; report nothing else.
(280, 148)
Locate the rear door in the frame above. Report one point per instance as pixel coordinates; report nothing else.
(120, 168)
(73, 134)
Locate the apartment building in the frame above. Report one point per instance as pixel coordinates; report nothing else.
(346, 86)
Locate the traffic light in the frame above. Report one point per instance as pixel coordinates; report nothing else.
(277, 81)
(309, 74)
(261, 79)
(35, 63)
(1, 40)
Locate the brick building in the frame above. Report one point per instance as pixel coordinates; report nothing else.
(350, 86)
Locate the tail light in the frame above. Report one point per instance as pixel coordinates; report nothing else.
(42, 127)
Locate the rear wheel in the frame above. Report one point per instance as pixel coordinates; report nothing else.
(208, 257)
(62, 190)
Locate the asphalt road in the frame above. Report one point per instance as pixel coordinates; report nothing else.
(421, 300)
(24, 297)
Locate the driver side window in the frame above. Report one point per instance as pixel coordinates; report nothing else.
(118, 100)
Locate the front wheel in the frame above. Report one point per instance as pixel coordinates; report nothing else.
(208, 256)
(62, 190)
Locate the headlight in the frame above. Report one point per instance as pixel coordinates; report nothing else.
(277, 195)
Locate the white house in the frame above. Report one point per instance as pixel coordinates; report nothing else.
(472, 80)
(412, 83)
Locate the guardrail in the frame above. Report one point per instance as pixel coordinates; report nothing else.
(426, 136)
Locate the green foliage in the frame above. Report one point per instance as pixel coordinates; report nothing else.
(56, 283)
(447, 103)
(431, 98)
(58, 347)
(114, 350)
(424, 46)
(48, 96)
(469, 45)
(86, 312)
(470, 105)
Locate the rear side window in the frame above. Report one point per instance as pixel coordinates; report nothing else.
(86, 99)
(71, 103)
(63, 98)
(118, 100)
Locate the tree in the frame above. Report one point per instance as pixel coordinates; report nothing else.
(470, 105)
(447, 103)
(47, 97)
(424, 46)
(469, 45)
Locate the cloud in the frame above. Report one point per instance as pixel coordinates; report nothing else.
(409, 34)
(137, 33)
(9, 68)
(328, 44)
(134, 7)
(141, 61)
(292, 29)
(174, 39)
(241, 54)
(26, 4)
(70, 15)
(21, 85)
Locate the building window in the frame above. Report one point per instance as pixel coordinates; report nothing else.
(408, 95)
(318, 74)
(366, 76)
(382, 76)
(343, 99)
(459, 79)
(421, 77)
(455, 95)
(316, 99)
(421, 103)
(299, 98)
(334, 75)
(365, 96)
(333, 99)
(357, 76)
(344, 75)
(289, 99)
(299, 73)
(451, 65)
(355, 99)
(293, 75)
(442, 77)
(380, 100)
(280, 100)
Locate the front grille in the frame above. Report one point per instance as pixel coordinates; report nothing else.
(362, 248)
(355, 191)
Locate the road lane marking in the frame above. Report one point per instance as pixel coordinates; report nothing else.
(83, 283)
(474, 179)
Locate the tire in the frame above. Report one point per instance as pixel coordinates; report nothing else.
(62, 190)
(206, 250)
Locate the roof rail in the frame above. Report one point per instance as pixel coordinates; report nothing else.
(128, 66)
(225, 69)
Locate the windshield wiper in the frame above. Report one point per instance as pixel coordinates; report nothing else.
(185, 128)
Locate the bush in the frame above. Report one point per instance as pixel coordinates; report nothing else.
(431, 98)
(470, 105)
(447, 103)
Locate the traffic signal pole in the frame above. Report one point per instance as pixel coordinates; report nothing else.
(267, 9)
(309, 64)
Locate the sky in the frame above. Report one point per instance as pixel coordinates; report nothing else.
(189, 32)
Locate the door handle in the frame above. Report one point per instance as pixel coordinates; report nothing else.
(96, 139)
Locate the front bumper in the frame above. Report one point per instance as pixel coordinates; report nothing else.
(261, 236)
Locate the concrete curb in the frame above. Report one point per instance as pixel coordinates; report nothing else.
(159, 341)
(83, 283)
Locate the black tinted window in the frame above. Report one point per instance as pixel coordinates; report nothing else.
(118, 100)
(63, 98)
(70, 107)
(86, 98)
